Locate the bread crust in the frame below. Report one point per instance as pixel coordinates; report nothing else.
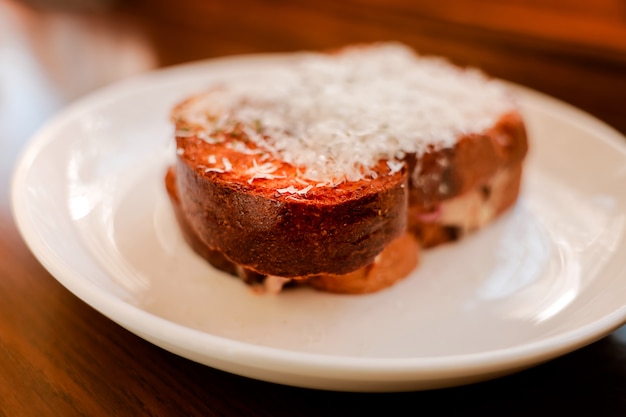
(394, 263)
(331, 230)
(442, 174)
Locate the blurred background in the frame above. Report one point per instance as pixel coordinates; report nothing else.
(53, 51)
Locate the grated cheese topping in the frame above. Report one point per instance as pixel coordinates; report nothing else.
(335, 117)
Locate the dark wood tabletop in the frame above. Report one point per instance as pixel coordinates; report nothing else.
(60, 357)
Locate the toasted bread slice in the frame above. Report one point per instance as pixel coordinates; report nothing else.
(394, 263)
(454, 217)
(441, 174)
(260, 214)
(455, 191)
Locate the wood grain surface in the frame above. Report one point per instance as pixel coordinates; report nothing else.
(59, 357)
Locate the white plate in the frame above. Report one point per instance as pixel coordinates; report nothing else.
(547, 278)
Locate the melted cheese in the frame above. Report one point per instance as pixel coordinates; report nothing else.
(335, 116)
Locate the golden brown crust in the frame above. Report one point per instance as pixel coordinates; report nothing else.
(394, 263)
(327, 230)
(215, 257)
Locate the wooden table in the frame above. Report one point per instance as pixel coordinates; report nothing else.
(58, 356)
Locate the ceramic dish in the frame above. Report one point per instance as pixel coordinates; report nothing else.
(545, 279)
